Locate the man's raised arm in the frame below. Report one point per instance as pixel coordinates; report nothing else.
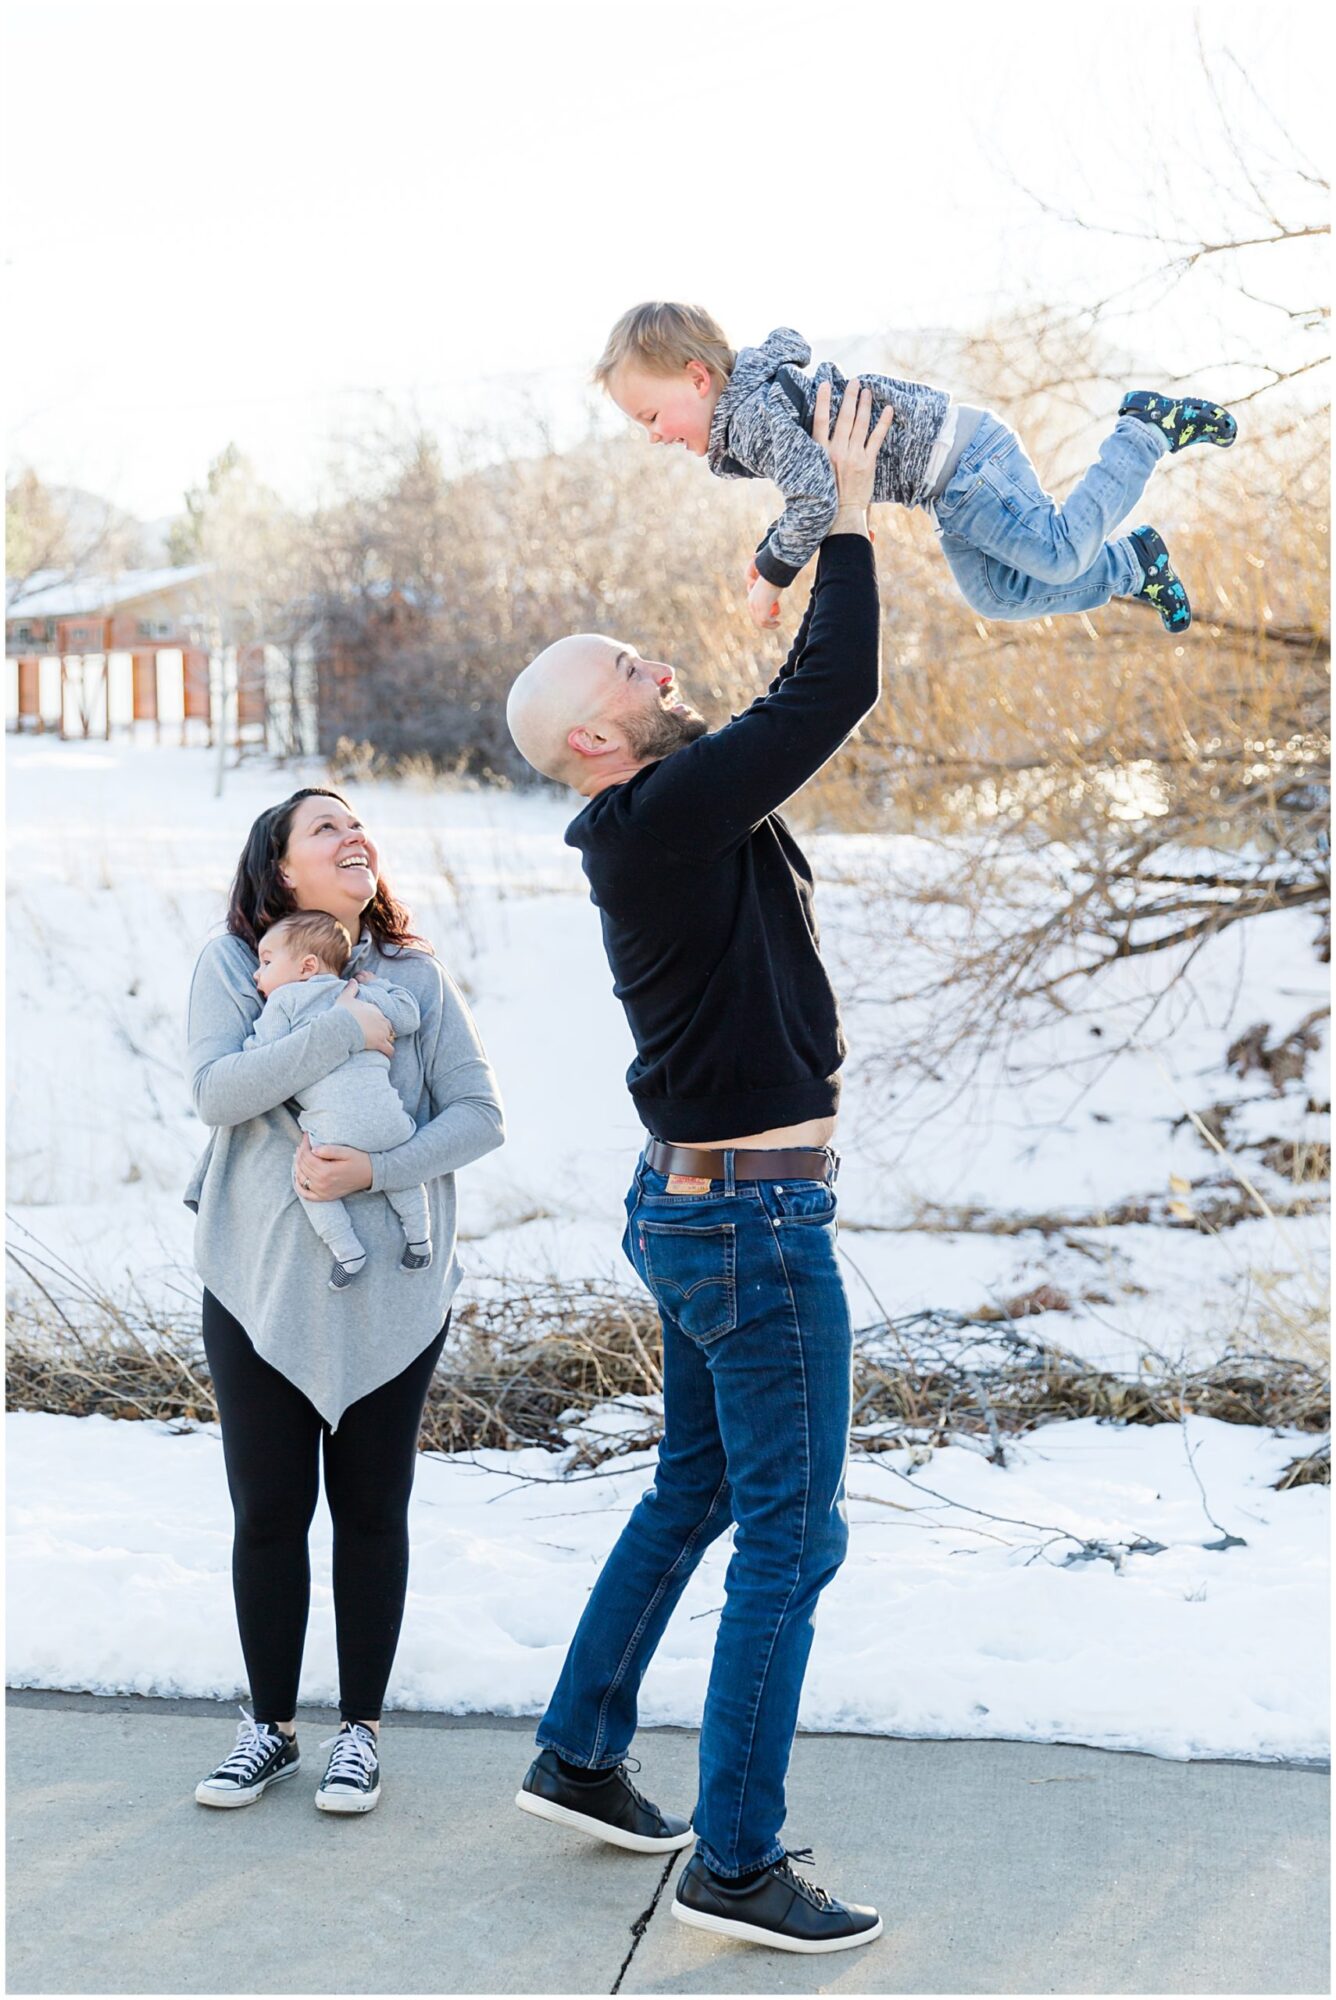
(711, 793)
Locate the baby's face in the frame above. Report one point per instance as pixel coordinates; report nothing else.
(670, 409)
(281, 966)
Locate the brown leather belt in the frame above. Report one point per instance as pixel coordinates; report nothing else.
(795, 1163)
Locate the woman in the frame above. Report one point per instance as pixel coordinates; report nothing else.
(298, 1371)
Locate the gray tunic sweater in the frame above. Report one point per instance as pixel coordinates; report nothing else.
(354, 1104)
(762, 429)
(253, 1246)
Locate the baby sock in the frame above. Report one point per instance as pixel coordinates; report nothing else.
(344, 1270)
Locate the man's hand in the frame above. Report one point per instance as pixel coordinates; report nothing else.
(327, 1173)
(852, 450)
(763, 602)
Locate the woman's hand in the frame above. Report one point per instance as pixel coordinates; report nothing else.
(327, 1173)
(852, 450)
(377, 1034)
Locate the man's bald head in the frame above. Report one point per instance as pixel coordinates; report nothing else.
(588, 712)
(571, 685)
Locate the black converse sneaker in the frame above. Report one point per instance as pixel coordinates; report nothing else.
(416, 1257)
(775, 1907)
(1184, 420)
(1161, 584)
(605, 1804)
(263, 1755)
(351, 1783)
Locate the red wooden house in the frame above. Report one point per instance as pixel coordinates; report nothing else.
(98, 655)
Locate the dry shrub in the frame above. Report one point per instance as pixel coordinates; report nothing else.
(437, 591)
(548, 1365)
(936, 1374)
(120, 1364)
(523, 1367)
(1311, 1469)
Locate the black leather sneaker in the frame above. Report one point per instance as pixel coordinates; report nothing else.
(778, 1909)
(263, 1755)
(351, 1783)
(612, 1810)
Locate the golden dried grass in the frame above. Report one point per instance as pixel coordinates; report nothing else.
(534, 1365)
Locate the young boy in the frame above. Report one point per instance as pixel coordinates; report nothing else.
(301, 973)
(1012, 550)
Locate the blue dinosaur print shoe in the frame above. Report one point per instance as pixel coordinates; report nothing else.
(1184, 420)
(1162, 585)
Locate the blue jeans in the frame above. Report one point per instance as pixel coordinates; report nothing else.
(1015, 553)
(757, 1369)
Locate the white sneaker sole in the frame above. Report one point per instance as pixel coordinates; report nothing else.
(347, 1802)
(216, 1795)
(615, 1836)
(701, 1920)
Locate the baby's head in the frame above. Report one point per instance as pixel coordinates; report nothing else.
(665, 367)
(300, 946)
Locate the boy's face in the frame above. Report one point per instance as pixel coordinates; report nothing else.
(671, 409)
(280, 965)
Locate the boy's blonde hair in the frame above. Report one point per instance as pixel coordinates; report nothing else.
(314, 932)
(663, 336)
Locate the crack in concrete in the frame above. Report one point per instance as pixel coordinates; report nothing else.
(642, 1922)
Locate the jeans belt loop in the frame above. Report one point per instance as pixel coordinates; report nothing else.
(730, 1184)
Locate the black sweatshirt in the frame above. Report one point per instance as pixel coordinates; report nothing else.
(706, 898)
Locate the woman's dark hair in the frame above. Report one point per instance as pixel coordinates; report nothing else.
(260, 896)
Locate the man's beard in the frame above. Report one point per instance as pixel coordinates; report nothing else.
(666, 730)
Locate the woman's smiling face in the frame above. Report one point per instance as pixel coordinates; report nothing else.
(331, 863)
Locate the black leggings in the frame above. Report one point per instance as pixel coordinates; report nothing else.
(272, 1440)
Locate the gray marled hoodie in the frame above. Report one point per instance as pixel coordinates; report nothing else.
(757, 433)
(253, 1246)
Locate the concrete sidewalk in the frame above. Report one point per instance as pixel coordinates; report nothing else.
(998, 1868)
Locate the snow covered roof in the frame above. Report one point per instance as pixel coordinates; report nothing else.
(50, 593)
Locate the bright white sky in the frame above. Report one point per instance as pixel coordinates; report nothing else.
(239, 222)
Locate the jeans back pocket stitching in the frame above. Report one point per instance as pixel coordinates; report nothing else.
(728, 1280)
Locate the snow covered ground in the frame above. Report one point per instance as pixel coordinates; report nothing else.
(120, 858)
(943, 1622)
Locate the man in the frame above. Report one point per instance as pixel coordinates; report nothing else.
(706, 905)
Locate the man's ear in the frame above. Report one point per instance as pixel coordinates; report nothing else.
(588, 743)
(700, 377)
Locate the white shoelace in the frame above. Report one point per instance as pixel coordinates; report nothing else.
(354, 1756)
(254, 1745)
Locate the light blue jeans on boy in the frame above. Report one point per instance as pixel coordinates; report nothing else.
(757, 1364)
(1015, 553)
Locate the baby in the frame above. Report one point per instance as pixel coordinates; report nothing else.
(301, 973)
(1012, 550)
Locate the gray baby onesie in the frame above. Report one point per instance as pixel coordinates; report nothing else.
(354, 1104)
